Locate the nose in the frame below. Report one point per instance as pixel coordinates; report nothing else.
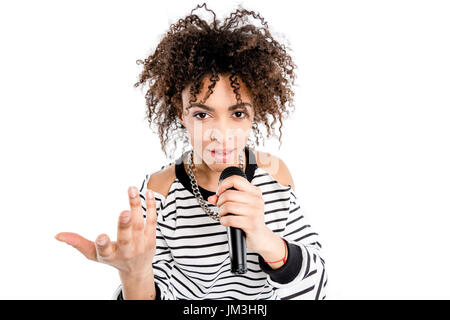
(222, 136)
(225, 135)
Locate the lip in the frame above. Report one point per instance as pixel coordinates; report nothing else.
(222, 150)
(222, 155)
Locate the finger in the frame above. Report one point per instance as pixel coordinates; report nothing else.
(235, 196)
(234, 208)
(234, 221)
(239, 183)
(213, 199)
(124, 232)
(137, 215)
(86, 247)
(104, 247)
(150, 219)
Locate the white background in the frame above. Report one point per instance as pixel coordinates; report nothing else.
(368, 144)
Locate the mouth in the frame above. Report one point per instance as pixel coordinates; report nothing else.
(222, 155)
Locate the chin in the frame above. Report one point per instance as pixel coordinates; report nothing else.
(219, 167)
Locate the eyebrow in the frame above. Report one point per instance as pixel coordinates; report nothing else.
(231, 108)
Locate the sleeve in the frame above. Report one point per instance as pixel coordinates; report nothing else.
(303, 276)
(163, 260)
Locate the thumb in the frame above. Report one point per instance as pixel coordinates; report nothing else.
(212, 199)
(86, 247)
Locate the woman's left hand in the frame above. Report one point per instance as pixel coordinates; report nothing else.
(246, 206)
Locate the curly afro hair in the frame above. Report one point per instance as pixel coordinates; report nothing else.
(193, 49)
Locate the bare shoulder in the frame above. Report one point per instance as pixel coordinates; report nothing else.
(275, 167)
(161, 181)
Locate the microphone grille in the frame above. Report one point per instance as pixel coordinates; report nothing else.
(230, 171)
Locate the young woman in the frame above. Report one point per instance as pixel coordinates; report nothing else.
(214, 84)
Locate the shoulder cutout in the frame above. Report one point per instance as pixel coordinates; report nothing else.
(275, 167)
(161, 180)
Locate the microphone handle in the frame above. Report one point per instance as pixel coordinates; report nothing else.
(238, 248)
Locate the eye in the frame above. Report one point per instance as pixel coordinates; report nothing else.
(203, 115)
(241, 114)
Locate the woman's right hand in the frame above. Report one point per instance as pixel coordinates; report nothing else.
(135, 248)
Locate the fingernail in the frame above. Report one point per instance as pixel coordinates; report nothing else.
(149, 194)
(101, 241)
(125, 217)
(132, 192)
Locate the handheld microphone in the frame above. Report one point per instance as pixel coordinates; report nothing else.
(236, 236)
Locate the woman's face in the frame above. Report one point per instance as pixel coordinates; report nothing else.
(219, 124)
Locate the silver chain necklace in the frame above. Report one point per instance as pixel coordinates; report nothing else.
(214, 214)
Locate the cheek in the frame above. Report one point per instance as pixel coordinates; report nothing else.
(241, 133)
(199, 136)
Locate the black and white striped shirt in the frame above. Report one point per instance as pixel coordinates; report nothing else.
(192, 256)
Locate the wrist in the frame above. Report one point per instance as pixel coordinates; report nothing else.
(275, 250)
(138, 286)
(257, 240)
(135, 277)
